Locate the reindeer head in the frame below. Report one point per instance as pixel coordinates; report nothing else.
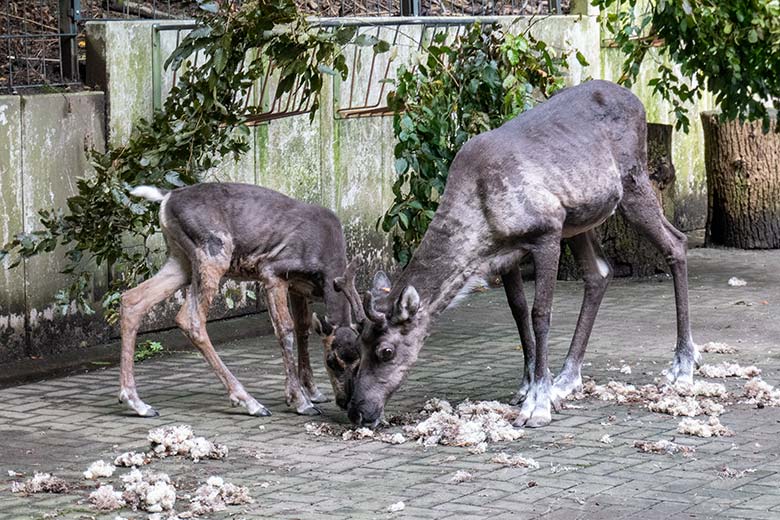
(342, 355)
(390, 339)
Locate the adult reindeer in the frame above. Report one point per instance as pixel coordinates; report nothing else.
(556, 171)
(296, 250)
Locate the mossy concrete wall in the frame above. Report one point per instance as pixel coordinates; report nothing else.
(42, 154)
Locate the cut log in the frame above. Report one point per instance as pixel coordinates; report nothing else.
(628, 252)
(743, 183)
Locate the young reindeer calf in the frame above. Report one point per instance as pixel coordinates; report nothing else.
(247, 232)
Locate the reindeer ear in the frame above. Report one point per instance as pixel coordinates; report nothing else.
(381, 286)
(323, 328)
(407, 305)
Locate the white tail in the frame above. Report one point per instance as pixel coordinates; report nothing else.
(148, 193)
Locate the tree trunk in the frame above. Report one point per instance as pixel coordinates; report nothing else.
(629, 253)
(743, 183)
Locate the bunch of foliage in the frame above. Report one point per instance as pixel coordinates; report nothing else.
(461, 87)
(731, 49)
(203, 119)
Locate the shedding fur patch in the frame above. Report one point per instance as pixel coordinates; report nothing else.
(729, 370)
(180, 440)
(99, 469)
(516, 461)
(711, 428)
(105, 498)
(40, 483)
(714, 347)
(471, 424)
(664, 447)
(216, 494)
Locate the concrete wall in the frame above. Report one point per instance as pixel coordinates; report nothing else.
(42, 142)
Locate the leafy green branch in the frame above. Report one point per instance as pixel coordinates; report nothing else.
(731, 49)
(461, 88)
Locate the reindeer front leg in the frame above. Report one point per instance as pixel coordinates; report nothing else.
(513, 287)
(276, 295)
(301, 314)
(536, 409)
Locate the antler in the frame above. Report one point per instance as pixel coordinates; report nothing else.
(346, 284)
(373, 314)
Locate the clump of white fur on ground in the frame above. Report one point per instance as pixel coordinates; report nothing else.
(714, 347)
(664, 446)
(180, 440)
(99, 469)
(216, 495)
(461, 476)
(736, 282)
(606, 439)
(701, 388)
(711, 428)
(152, 492)
(324, 429)
(759, 392)
(725, 369)
(40, 483)
(679, 399)
(727, 472)
(398, 506)
(516, 461)
(618, 392)
(320, 429)
(469, 424)
(131, 459)
(105, 498)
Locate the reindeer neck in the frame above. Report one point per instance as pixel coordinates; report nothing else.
(441, 265)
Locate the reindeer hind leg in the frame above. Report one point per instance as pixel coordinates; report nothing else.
(192, 320)
(135, 304)
(641, 208)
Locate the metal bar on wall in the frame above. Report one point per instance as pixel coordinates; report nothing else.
(68, 45)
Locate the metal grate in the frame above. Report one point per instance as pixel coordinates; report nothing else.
(433, 7)
(38, 44)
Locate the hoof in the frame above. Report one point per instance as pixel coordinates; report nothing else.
(308, 410)
(149, 413)
(318, 397)
(256, 409)
(537, 420)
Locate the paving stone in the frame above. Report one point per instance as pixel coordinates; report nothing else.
(63, 424)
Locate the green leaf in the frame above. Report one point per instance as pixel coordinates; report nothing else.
(366, 40)
(381, 46)
(401, 164)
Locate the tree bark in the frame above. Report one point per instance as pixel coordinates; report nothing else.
(629, 253)
(743, 183)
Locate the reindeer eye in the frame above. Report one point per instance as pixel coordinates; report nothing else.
(386, 353)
